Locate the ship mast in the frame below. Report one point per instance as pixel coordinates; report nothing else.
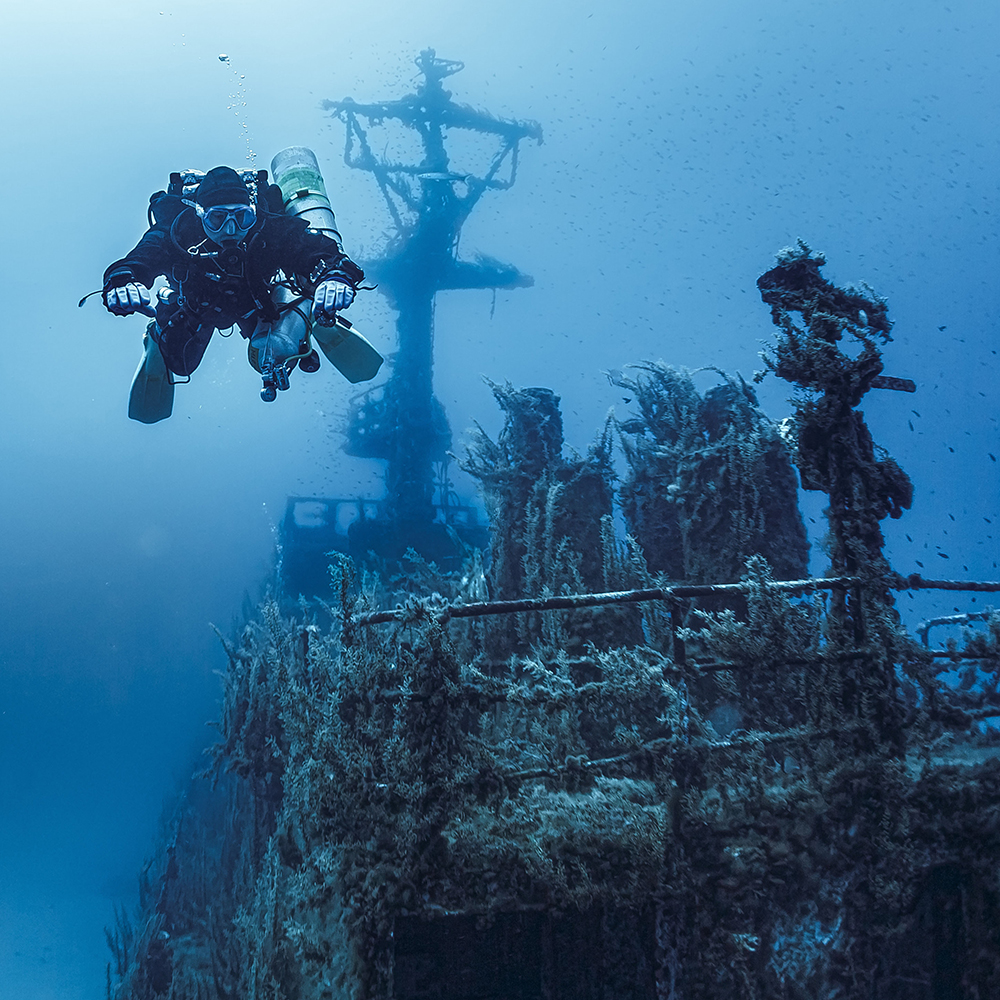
(428, 203)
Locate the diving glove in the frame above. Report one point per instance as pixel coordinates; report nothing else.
(329, 298)
(127, 299)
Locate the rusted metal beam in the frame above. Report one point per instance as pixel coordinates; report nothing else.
(847, 654)
(749, 739)
(893, 382)
(916, 582)
(958, 654)
(498, 694)
(567, 602)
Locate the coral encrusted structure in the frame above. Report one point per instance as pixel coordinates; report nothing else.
(659, 796)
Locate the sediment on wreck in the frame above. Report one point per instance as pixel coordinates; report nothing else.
(551, 524)
(835, 453)
(787, 798)
(710, 479)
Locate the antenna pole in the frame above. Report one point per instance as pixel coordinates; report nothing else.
(428, 203)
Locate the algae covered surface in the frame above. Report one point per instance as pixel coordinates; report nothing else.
(767, 791)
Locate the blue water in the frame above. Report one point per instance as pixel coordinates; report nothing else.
(685, 142)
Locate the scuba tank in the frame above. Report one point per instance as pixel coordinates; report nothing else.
(275, 347)
(296, 171)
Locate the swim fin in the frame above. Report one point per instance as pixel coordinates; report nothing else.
(152, 395)
(347, 350)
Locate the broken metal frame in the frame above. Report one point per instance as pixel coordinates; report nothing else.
(972, 616)
(490, 691)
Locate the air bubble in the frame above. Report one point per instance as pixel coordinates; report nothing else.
(223, 57)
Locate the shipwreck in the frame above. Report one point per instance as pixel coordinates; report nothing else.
(667, 764)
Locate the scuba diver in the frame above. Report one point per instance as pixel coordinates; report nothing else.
(237, 251)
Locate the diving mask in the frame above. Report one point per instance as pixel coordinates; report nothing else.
(225, 223)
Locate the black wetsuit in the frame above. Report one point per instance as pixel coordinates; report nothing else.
(215, 288)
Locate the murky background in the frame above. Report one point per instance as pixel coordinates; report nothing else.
(685, 142)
